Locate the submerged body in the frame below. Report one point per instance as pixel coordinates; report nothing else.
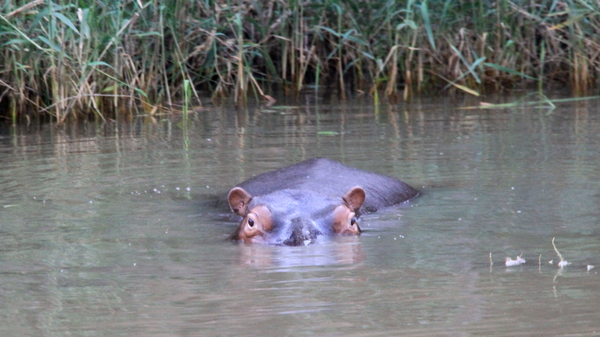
(297, 204)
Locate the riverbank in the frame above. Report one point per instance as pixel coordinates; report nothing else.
(128, 57)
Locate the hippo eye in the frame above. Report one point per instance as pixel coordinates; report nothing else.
(250, 222)
(353, 221)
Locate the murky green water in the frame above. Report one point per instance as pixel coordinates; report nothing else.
(111, 230)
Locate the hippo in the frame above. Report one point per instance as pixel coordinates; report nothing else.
(297, 204)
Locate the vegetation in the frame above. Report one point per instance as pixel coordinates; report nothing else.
(60, 57)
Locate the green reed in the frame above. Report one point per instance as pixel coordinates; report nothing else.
(117, 58)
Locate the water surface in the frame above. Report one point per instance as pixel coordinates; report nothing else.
(113, 229)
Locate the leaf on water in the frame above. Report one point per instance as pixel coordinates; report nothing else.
(328, 133)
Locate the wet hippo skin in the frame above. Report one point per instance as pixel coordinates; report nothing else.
(295, 205)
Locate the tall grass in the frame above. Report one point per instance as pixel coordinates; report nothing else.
(116, 58)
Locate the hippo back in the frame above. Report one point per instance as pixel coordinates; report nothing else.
(329, 177)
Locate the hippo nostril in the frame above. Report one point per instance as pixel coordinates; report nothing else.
(303, 232)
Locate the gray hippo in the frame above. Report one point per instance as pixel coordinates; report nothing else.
(296, 204)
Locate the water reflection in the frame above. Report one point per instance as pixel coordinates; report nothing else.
(340, 250)
(105, 229)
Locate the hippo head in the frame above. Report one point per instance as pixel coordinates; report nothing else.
(294, 217)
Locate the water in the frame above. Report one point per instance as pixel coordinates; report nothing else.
(113, 229)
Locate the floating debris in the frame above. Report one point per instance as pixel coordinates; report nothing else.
(562, 262)
(516, 262)
(590, 267)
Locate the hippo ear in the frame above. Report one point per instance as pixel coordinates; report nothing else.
(355, 198)
(239, 200)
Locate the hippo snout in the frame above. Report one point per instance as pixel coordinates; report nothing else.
(302, 233)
